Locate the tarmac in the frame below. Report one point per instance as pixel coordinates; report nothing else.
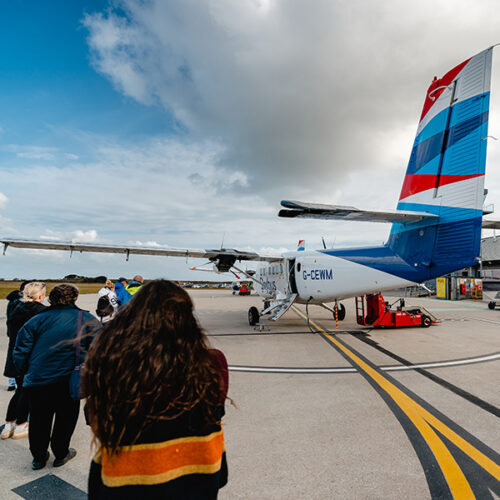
(321, 412)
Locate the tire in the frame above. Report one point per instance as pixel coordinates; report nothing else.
(340, 312)
(491, 305)
(426, 321)
(253, 316)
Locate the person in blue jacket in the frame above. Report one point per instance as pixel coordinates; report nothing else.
(45, 354)
(121, 293)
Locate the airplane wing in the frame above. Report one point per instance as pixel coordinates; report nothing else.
(223, 258)
(339, 212)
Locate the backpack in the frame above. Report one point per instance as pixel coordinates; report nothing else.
(104, 307)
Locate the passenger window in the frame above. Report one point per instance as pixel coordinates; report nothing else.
(298, 267)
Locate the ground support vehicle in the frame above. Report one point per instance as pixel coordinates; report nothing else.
(372, 310)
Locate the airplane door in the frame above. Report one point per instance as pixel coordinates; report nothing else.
(291, 276)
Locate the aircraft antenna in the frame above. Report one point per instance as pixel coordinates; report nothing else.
(324, 244)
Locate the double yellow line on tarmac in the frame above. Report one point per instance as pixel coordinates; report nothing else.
(426, 423)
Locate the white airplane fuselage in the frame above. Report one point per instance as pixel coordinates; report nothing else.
(317, 277)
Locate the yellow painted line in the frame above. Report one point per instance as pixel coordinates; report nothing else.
(423, 420)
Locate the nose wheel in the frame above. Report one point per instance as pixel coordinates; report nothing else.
(253, 316)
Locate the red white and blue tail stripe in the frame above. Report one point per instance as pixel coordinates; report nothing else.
(445, 174)
(445, 178)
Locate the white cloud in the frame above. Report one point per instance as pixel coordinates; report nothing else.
(36, 156)
(291, 92)
(89, 236)
(31, 152)
(76, 236)
(3, 201)
(166, 192)
(150, 244)
(276, 100)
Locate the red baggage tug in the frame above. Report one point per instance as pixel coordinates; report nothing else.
(374, 311)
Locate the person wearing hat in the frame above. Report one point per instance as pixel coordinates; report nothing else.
(121, 293)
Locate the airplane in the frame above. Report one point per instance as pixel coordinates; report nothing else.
(436, 228)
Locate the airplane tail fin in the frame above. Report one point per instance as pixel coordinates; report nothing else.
(445, 174)
(301, 246)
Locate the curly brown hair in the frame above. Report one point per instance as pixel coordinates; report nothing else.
(151, 362)
(63, 295)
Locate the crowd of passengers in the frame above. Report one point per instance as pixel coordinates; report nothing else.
(153, 390)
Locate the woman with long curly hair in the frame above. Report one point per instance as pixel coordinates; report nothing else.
(156, 395)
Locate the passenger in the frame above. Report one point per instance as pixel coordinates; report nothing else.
(12, 298)
(156, 395)
(121, 294)
(15, 295)
(16, 421)
(134, 286)
(45, 355)
(107, 303)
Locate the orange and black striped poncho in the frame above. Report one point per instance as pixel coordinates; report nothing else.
(182, 458)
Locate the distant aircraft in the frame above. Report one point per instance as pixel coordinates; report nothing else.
(436, 228)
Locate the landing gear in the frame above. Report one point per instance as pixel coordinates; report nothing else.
(340, 312)
(267, 304)
(253, 316)
(492, 304)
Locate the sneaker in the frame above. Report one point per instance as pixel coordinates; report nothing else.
(58, 462)
(40, 464)
(21, 431)
(8, 430)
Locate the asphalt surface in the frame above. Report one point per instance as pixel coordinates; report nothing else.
(325, 413)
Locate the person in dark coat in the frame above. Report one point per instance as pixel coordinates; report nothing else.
(45, 355)
(16, 295)
(11, 298)
(19, 312)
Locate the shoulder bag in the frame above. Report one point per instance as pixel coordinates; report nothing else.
(75, 390)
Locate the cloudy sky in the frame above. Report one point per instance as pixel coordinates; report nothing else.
(184, 123)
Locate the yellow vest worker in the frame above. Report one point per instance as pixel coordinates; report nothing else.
(134, 286)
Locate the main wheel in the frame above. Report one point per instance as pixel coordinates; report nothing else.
(253, 316)
(426, 321)
(491, 305)
(340, 312)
